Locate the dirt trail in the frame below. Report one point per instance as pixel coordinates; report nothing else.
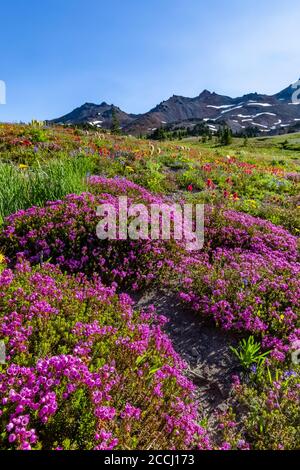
(204, 347)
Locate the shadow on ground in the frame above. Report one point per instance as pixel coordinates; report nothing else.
(204, 348)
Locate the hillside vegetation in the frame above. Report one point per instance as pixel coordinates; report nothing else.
(86, 366)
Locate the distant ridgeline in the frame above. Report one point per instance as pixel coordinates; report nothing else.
(249, 115)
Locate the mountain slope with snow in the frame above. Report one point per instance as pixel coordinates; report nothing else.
(267, 114)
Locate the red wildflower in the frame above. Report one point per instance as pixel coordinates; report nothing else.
(26, 143)
(210, 184)
(190, 187)
(207, 168)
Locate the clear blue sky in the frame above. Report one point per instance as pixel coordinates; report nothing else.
(57, 54)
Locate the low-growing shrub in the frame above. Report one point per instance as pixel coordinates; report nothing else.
(64, 232)
(120, 187)
(86, 371)
(247, 279)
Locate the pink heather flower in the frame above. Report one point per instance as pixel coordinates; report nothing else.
(131, 412)
(243, 445)
(103, 435)
(105, 412)
(225, 446)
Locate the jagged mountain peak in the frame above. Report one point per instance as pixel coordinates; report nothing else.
(265, 113)
(206, 93)
(286, 93)
(99, 115)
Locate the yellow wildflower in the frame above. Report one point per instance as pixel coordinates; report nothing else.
(129, 168)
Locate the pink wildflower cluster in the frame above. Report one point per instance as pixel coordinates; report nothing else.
(86, 371)
(65, 231)
(77, 352)
(247, 278)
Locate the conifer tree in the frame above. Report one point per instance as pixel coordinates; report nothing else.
(115, 125)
